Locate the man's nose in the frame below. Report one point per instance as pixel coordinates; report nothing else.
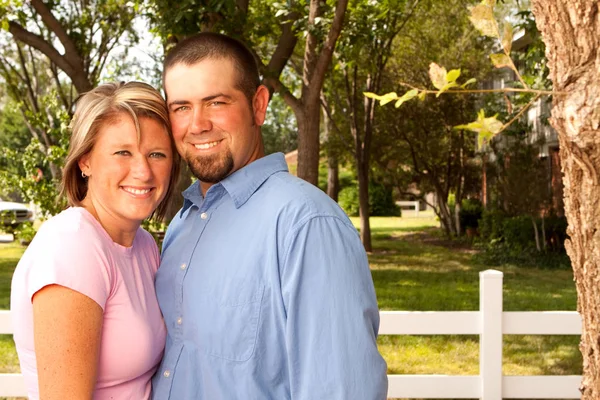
(200, 121)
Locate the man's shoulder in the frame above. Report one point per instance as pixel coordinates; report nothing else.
(285, 191)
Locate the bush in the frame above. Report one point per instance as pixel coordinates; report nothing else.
(518, 232)
(25, 232)
(348, 200)
(491, 225)
(381, 201)
(470, 213)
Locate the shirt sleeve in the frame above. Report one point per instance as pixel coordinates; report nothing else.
(73, 260)
(332, 315)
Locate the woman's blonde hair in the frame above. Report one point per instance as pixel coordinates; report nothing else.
(103, 105)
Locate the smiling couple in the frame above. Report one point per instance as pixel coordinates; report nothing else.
(264, 289)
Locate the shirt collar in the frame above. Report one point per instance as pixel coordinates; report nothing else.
(241, 184)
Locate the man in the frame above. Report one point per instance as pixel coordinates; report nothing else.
(264, 284)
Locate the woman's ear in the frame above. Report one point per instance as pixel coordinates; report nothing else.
(84, 164)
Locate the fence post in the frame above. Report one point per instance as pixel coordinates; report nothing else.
(490, 339)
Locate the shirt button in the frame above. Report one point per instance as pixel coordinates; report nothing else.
(179, 321)
(182, 266)
(204, 215)
(167, 373)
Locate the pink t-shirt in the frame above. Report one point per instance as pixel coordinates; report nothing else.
(73, 250)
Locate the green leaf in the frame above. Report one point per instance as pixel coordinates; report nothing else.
(485, 127)
(507, 38)
(501, 60)
(446, 87)
(388, 97)
(372, 95)
(279, 13)
(470, 81)
(452, 75)
(437, 75)
(422, 95)
(411, 94)
(482, 17)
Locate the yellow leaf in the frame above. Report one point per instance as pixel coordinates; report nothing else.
(437, 75)
(464, 85)
(446, 87)
(482, 17)
(372, 95)
(507, 38)
(422, 95)
(407, 96)
(452, 75)
(501, 60)
(388, 97)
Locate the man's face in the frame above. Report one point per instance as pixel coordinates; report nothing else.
(215, 129)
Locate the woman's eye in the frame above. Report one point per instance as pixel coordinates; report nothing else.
(122, 153)
(158, 155)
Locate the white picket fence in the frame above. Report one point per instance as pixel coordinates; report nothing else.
(490, 323)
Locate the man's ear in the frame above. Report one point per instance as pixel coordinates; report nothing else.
(259, 104)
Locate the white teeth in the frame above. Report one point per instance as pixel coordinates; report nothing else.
(136, 191)
(205, 146)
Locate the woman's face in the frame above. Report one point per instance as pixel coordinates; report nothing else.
(128, 177)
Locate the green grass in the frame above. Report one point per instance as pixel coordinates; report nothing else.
(416, 269)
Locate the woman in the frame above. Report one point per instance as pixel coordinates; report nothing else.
(86, 319)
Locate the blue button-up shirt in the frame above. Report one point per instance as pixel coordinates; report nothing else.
(267, 294)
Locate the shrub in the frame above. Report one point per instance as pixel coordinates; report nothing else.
(381, 201)
(491, 224)
(470, 213)
(518, 232)
(348, 200)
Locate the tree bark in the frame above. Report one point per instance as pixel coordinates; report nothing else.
(571, 32)
(315, 66)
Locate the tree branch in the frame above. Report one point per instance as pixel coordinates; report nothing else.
(318, 74)
(283, 52)
(36, 41)
(55, 26)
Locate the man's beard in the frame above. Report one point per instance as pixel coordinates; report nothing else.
(213, 168)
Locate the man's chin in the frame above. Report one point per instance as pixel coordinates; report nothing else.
(211, 169)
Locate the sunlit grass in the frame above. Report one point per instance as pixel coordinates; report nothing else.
(414, 269)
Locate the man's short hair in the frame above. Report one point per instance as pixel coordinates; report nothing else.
(208, 45)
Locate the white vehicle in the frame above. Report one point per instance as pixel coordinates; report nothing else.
(14, 214)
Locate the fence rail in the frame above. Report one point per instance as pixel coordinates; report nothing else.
(490, 323)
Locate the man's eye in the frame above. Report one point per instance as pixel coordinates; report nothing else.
(216, 103)
(181, 108)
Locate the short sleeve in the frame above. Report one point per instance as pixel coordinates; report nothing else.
(73, 259)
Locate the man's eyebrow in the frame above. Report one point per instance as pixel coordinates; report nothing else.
(217, 95)
(178, 102)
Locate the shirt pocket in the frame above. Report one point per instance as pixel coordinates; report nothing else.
(227, 322)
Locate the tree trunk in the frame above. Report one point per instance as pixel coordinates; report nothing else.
(536, 233)
(571, 32)
(308, 143)
(333, 177)
(363, 202)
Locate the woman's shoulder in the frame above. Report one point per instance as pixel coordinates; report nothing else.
(74, 225)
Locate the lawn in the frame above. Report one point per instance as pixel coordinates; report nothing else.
(414, 268)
